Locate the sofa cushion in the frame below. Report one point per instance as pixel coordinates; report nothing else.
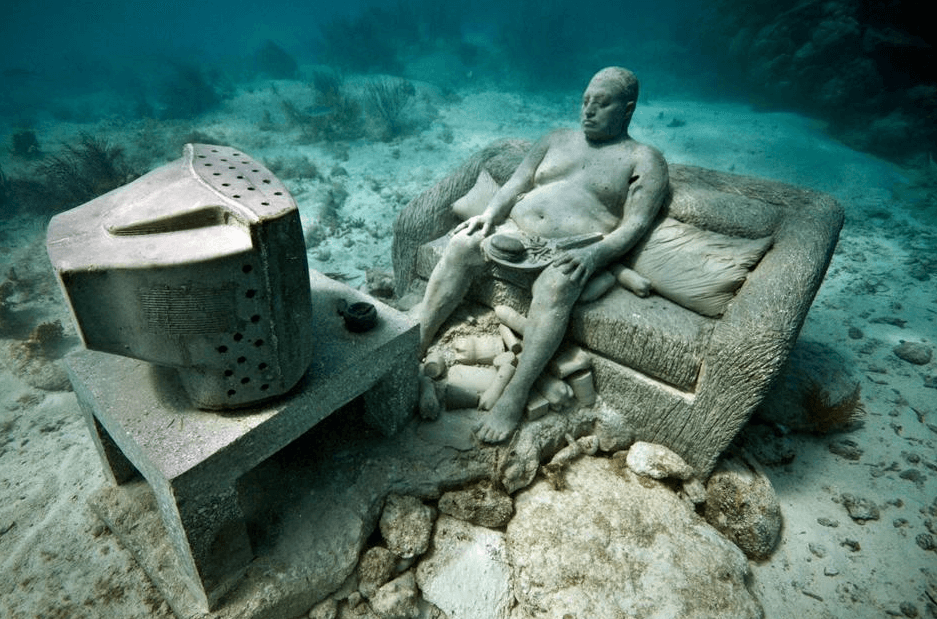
(698, 269)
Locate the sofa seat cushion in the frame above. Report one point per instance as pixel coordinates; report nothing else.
(652, 335)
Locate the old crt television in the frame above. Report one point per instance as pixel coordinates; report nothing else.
(198, 265)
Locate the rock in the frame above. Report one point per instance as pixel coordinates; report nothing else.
(742, 505)
(694, 491)
(846, 448)
(914, 352)
(374, 569)
(481, 504)
(657, 462)
(326, 609)
(398, 599)
(467, 574)
(768, 444)
(851, 545)
(861, 510)
(817, 550)
(926, 541)
(406, 525)
(612, 545)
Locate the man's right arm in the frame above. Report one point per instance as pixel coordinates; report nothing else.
(500, 205)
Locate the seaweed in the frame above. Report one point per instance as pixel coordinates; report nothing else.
(389, 99)
(328, 85)
(25, 145)
(823, 415)
(81, 172)
(335, 115)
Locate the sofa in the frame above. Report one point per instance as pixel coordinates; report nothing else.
(686, 372)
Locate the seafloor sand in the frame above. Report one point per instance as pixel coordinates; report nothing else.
(56, 560)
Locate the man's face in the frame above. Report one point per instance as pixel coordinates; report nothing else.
(603, 113)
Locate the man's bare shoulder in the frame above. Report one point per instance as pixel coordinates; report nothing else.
(648, 157)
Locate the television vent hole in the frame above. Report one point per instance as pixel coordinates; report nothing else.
(247, 268)
(264, 387)
(222, 349)
(245, 380)
(236, 196)
(238, 337)
(228, 373)
(242, 360)
(231, 393)
(261, 366)
(250, 294)
(267, 181)
(255, 318)
(259, 343)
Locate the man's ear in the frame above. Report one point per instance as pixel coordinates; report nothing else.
(629, 108)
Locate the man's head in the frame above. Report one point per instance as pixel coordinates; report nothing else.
(608, 103)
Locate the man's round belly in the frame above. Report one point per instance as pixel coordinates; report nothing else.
(554, 216)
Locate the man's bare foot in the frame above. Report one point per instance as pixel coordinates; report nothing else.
(632, 280)
(502, 419)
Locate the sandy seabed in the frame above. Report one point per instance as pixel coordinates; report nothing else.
(57, 560)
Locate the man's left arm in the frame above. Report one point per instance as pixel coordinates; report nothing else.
(647, 189)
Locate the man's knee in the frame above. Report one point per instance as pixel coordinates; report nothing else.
(555, 288)
(464, 249)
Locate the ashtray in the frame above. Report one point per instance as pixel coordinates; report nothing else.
(359, 317)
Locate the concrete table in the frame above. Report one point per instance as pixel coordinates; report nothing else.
(142, 421)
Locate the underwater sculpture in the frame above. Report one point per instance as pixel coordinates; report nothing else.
(597, 191)
(733, 263)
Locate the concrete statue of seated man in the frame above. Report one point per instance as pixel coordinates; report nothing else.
(596, 184)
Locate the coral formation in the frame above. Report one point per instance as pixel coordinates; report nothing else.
(82, 171)
(825, 416)
(389, 99)
(335, 115)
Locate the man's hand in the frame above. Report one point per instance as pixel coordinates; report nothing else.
(578, 264)
(481, 222)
